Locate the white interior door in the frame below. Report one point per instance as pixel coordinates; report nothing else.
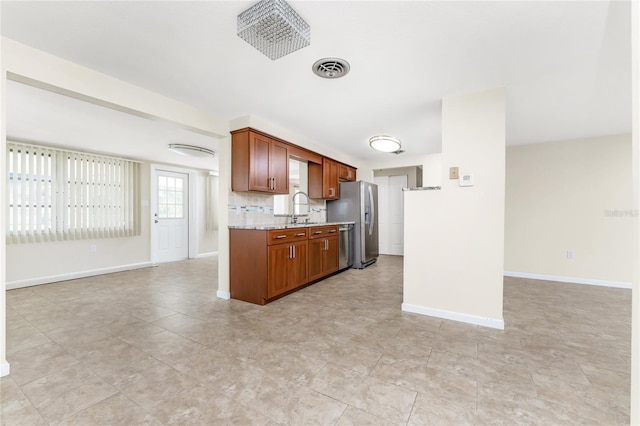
(396, 214)
(171, 216)
(391, 213)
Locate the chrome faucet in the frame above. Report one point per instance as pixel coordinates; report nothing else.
(294, 216)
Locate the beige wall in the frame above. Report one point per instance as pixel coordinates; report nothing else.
(570, 195)
(411, 172)
(635, 293)
(4, 365)
(453, 260)
(431, 166)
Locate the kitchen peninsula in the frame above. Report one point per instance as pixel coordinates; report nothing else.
(270, 261)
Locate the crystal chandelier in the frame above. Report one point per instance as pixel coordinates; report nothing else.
(274, 28)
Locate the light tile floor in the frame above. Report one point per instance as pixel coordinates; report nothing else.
(155, 346)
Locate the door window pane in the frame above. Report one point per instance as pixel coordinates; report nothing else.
(170, 197)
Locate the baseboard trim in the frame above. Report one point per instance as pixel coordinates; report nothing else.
(455, 316)
(572, 280)
(4, 369)
(210, 254)
(223, 294)
(12, 285)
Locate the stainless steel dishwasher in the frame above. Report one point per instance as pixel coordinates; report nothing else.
(345, 242)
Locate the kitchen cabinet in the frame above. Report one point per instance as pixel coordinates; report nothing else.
(323, 180)
(258, 163)
(287, 268)
(323, 251)
(267, 264)
(346, 173)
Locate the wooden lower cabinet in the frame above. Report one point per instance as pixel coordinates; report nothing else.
(323, 257)
(287, 269)
(265, 265)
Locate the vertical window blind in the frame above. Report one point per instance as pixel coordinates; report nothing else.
(56, 195)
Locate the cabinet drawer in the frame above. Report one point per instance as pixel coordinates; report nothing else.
(278, 236)
(323, 231)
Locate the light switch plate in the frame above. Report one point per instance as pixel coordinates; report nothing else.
(466, 180)
(453, 173)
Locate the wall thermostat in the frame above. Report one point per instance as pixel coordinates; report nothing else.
(466, 179)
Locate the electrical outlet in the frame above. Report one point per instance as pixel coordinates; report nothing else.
(453, 173)
(571, 254)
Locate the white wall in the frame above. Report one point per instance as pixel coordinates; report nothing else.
(454, 253)
(570, 195)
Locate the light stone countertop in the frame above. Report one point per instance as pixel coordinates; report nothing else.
(267, 227)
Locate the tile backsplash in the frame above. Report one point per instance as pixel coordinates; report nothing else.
(250, 208)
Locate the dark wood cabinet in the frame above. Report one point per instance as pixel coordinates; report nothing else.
(346, 173)
(323, 251)
(265, 265)
(258, 163)
(287, 268)
(323, 180)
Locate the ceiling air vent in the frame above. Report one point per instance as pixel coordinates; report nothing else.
(331, 68)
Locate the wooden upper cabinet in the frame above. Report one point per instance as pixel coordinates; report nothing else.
(346, 173)
(330, 183)
(259, 159)
(323, 180)
(258, 163)
(279, 167)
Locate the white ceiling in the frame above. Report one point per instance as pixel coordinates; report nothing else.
(565, 65)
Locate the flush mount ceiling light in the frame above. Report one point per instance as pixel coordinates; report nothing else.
(331, 67)
(274, 28)
(190, 150)
(385, 144)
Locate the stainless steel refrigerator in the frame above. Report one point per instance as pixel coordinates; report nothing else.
(358, 203)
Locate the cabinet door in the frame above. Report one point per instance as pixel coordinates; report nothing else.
(316, 253)
(279, 260)
(297, 268)
(259, 155)
(330, 256)
(330, 188)
(346, 173)
(279, 167)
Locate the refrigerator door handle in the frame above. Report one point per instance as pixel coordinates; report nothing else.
(373, 210)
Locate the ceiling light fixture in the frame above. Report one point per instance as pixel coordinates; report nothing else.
(274, 28)
(190, 150)
(385, 143)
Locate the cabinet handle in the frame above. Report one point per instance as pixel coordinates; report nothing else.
(294, 252)
(331, 192)
(290, 252)
(326, 245)
(332, 231)
(317, 232)
(280, 236)
(300, 234)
